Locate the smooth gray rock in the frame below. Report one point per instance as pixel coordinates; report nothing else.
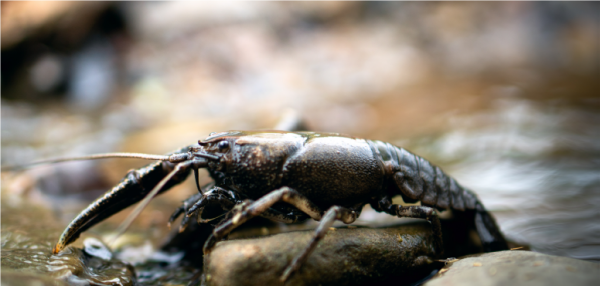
(517, 268)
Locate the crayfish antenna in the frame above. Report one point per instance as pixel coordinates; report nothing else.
(90, 157)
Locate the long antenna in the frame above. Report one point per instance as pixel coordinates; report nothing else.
(88, 157)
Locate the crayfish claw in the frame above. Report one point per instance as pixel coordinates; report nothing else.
(56, 249)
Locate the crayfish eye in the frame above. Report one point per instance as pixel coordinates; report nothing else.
(223, 145)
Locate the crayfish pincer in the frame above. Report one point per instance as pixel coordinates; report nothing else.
(294, 176)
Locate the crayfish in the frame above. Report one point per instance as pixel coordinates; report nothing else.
(291, 177)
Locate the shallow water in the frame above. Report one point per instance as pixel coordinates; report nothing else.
(28, 234)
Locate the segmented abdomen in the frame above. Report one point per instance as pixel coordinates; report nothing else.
(420, 180)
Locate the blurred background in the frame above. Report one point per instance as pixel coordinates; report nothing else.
(503, 96)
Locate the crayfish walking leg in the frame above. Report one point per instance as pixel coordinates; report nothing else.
(251, 209)
(421, 212)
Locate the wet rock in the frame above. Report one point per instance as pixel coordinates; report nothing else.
(346, 256)
(517, 268)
